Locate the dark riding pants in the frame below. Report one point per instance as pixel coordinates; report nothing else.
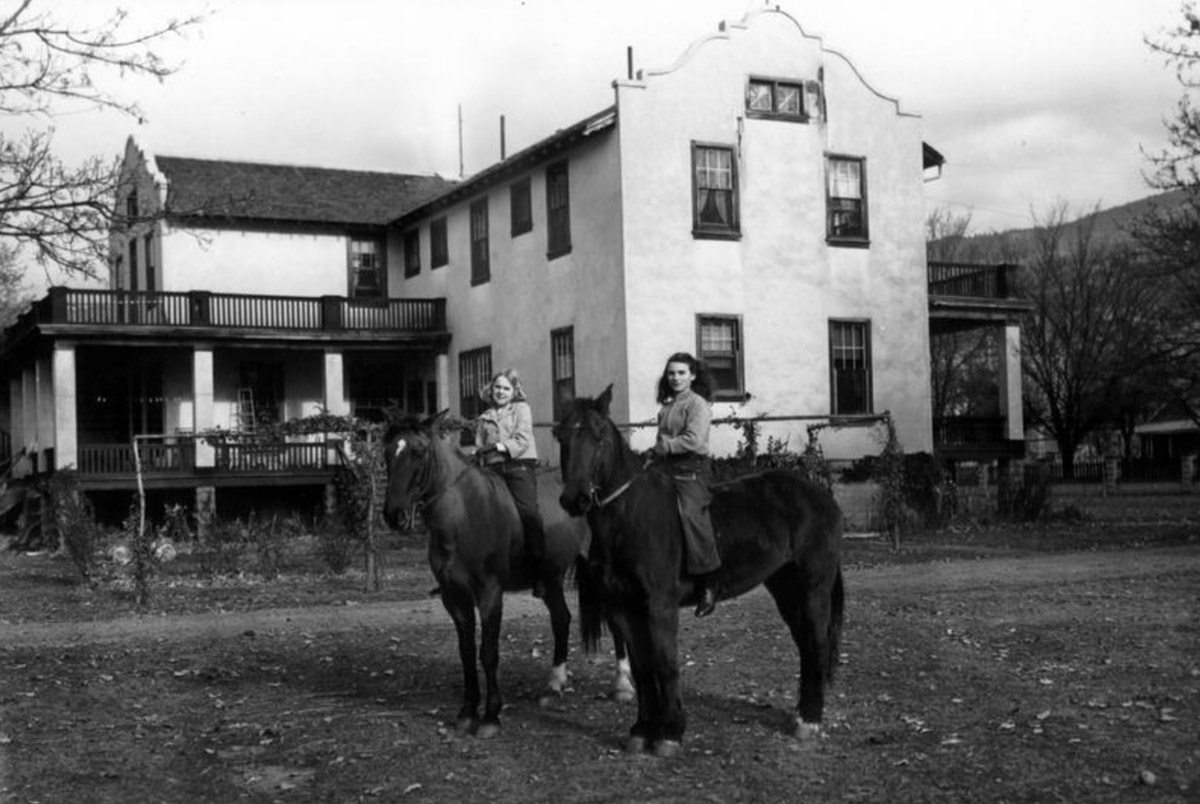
(521, 479)
(691, 486)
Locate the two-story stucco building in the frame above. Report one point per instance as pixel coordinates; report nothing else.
(757, 203)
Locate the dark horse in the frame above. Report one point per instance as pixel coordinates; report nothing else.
(774, 528)
(477, 552)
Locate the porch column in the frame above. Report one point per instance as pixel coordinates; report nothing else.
(29, 428)
(336, 403)
(62, 384)
(16, 412)
(1010, 384)
(202, 404)
(442, 371)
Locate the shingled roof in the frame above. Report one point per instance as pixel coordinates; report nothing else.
(220, 190)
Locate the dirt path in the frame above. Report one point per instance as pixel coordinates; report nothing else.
(1060, 568)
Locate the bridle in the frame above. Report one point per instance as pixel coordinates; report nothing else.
(425, 474)
(593, 487)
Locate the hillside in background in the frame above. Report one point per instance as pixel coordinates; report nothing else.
(1112, 222)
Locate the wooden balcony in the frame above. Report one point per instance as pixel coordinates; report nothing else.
(205, 314)
(970, 294)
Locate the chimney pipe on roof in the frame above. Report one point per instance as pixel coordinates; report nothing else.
(502, 148)
(629, 60)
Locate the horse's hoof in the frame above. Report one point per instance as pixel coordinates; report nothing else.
(635, 744)
(623, 695)
(549, 698)
(804, 731)
(465, 726)
(668, 749)
(487, 731)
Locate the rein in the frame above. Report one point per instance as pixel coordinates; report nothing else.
(594, 500)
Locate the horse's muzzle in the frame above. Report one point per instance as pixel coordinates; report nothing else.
(575, 504)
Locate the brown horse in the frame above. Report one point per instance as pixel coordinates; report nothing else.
(476, 553)
(774, 528)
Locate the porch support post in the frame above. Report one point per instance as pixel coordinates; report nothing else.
(442, 368)
(66, 433)
(29, 428)
(336, 403)
(1010, 384)
(16, 412)
(203, 417)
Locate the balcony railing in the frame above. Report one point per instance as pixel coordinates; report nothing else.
(232, 311)
(972, 280)
(178, 456)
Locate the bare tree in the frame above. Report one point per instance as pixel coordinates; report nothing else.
(1093, 325)
(62, 213)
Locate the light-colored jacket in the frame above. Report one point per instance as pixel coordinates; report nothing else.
(511, 426)
(683, 425)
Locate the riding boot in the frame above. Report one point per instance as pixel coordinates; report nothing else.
(707, 587)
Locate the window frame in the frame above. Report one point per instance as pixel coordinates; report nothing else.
(481, 268)
(412, 253)
(353, 271)
(474, 371)
(562, 356)
(862, 238)
(520, 203)
(439, 244)
(802, 94)
(705, 230)
(148, 258)
(868, 402)
(712, 357)
(558, 210)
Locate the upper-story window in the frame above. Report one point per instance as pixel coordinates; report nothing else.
(151, 273)
(412, 253)
(131, 207)
(521, 204)
(480, 258)
(368, 274)
(439, 244)
(714, 194)
(558, 211)
(767, 97)
(846, 200)
(850, 367)
(720, 347)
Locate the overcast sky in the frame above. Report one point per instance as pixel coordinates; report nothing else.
(1031, 101)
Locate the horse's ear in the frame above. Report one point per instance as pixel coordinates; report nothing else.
(435, 419)
(604, 400)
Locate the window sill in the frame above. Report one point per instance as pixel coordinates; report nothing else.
(731, 396)
(439, 265)
(783, 118)
(716, 234)
(480, 280)
(562, 252)
(848, 242)
(518, 232)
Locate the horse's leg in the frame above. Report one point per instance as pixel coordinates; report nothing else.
(807, 608)
(662, 628)
(461, 609)
(560, 626)
(622, 680)
(630, 627)
(491, 611)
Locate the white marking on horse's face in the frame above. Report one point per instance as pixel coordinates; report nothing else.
(400, 445)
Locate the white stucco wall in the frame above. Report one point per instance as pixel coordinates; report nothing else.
(529, 295)
(254, 262)
(780, 276)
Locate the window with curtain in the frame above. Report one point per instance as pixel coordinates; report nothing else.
(771, 98)
(850, 367)
(846, 199)
(720, 347)
(714, 179)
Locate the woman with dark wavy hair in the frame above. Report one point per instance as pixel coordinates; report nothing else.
(685, 392)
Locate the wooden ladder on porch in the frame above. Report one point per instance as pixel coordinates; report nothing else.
(247, 420)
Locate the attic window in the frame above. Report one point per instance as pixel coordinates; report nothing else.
(779, 99)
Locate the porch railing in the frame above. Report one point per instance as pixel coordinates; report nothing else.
(179, 457)
(968, 431)
(228, 310)
(972, 280)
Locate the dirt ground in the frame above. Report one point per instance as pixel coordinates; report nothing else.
(977, 666)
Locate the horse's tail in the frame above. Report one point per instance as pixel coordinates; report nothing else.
(591, 609)
(837, 609)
